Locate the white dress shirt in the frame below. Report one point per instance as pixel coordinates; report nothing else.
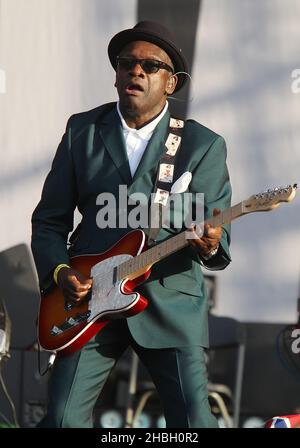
(136, 140)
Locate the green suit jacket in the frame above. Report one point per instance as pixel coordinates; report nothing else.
(92, 159)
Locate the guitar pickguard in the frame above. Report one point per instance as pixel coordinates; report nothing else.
(107, 296)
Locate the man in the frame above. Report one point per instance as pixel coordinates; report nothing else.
(121, 144)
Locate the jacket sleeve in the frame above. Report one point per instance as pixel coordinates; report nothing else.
(211, 177)
(52, 220)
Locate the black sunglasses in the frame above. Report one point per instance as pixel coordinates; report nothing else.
(148, 65)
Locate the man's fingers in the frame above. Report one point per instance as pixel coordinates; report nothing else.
(74, 285)
(212, 232)
(74, 293)
(78, 285)
(216, 211)
(74, 289)
(74, 297)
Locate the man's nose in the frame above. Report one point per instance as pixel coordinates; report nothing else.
(137, 70)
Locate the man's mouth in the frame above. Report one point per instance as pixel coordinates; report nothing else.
(133, 88)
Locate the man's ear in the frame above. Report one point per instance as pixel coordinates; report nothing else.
(171, 84)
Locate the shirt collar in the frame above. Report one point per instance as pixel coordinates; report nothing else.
(146, 131)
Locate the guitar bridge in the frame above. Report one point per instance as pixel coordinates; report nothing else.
(69, 323)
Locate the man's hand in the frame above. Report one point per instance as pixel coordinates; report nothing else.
(73, 285)
(210, 239)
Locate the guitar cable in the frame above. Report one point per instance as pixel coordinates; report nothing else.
(50, 361)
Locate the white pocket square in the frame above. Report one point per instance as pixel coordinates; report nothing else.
(181, 184)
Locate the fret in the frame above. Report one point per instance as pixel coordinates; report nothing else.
(213, 221)
(157, 252)
(143, 258)
(137, 262)
(227, 216)
(237, 210)
(169, 245)
(129, 266)
(164, 249)
(120, 271)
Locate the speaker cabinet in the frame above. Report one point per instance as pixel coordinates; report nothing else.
(20, 293)
(27, 389)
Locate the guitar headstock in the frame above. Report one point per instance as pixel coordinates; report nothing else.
(269, 199)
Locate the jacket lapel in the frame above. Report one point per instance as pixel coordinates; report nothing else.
(111, 132)
(145, 175)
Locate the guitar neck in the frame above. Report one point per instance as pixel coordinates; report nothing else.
(227, 215)
(139, 264)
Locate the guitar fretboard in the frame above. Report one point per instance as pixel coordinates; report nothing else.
(162, 250)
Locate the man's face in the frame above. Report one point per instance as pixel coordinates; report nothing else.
(142, 93)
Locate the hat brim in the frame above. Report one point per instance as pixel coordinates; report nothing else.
(120, 40)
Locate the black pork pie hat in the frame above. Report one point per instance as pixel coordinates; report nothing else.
(156, 34)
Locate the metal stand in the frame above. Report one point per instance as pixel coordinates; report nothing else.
(132, 390)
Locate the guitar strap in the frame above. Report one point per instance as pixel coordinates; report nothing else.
(165, 177)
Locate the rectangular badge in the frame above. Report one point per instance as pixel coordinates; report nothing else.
(176, 124)
(172, 143)
(166, 171)
(161, 197)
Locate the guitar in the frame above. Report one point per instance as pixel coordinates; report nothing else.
(65, 328)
